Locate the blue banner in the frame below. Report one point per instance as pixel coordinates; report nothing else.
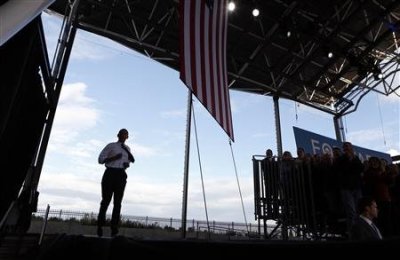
(318, 144)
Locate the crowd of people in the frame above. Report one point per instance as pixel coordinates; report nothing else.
(345, 187)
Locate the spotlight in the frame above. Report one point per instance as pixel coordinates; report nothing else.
(377, 73)
(256, 12)
(327, 51)
(288, 34)
(378, 76)
(231, 6)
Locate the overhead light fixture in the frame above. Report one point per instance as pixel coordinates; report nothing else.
(231, 6)
(327, 51)
(377, 72)
(256, 12)
(378, 75)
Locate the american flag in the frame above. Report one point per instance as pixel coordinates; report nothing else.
(203, 30)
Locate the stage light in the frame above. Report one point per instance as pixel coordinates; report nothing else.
(231, 6)
(256, 12)
(288, 34)
(327, 51)
(377, 73)
(378, 76)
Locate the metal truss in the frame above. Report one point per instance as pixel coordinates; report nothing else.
(281, 53)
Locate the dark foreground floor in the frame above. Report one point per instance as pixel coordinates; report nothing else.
(74, 247)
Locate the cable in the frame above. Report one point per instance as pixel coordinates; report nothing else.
(240, 192)
(201, 171)
(380, 117)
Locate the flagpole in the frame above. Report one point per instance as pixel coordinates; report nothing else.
(186, 170)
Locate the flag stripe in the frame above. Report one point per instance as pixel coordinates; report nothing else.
(219, 65)
(225, 78)
(212, 63)
(203, 67)
(202, 92)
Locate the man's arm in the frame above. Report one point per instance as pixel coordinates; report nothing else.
(112, 158)
(104, 156)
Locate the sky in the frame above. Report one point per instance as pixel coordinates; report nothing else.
(108, 87)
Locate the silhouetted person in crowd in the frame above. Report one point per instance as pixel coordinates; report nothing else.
(335, 200)
(271, 192)
(287, 156)
(377, 183)
(394, 170)
(269, 154)
(301, 155)
(364, 227)
(116, 156)
(350, 170)
(336, 152)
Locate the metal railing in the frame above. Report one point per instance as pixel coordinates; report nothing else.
(250, 230)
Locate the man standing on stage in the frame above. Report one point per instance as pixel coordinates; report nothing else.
(116, 156)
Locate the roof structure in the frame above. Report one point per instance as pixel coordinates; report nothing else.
(263, 58)
(282, 53)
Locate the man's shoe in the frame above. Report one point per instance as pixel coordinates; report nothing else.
(99, 231)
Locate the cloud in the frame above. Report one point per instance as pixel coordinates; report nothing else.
(393, 152)
(91, 47)
(173, 114)
(145, 151)
(69, 191)
(310, 111)
(75, 112)
(262, 135)
(223, 198)
(373, 139)
(242, 101)
(365, 136)
(149, 197)
(392, 98)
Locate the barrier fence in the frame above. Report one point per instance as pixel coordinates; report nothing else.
(172, 224)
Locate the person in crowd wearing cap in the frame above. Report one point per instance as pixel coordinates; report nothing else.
(116, 156)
